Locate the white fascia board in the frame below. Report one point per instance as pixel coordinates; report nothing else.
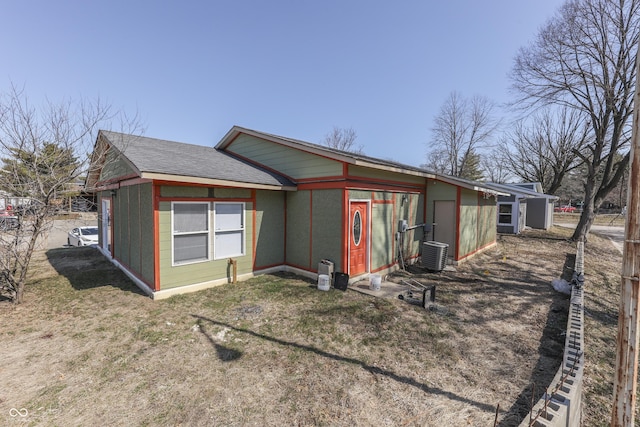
(216, 182)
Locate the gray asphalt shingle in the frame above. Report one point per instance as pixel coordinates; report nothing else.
(153, 155)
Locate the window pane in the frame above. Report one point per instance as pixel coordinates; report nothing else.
(505, 208)
(229, 243)
(190, 247)
(504, 219)
(357, 225)
(228, 216)
(189, 217)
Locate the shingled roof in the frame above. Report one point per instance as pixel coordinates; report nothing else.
(161, 159)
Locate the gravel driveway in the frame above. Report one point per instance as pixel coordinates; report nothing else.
(57, 236)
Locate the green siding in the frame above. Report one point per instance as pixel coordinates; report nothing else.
(415, 237)
(183, 191)
(291, 162)
(477, 222)
(114, 167)
(269, 228)
(387, 209)
(469, 216)
(326, 227)
(147, 236)
(132, 216)
(359, 195)
(383, 175)
(487, 231)
(182, 275)
(121, 225)
(438, 190)
(298, 228)
(382, 235)
(231, 193)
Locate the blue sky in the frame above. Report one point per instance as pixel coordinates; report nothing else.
(193, 69)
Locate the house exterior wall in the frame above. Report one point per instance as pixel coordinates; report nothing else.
(298, 229)
(132, 224)
(487, 232)
(290, 162)
(382, 175)
(441, 191)
(326, 227)
(537, 213)
(314, 228)
(115, 167)
(270, 229)
(383, 242)
(387, 209)
(476, 217)
(469, 223)
(172, 276)
(477, 222)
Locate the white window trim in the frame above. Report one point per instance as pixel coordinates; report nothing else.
(208, 232)
(243, 231)
(511, 214)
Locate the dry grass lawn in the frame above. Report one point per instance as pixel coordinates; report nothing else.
(87, 348)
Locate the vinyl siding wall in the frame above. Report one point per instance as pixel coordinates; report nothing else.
(382, 175)
(290, 162)
(200, 272)
(270, 232)
(132, 222)
(387, 209)
(326, 227)
(115, 167)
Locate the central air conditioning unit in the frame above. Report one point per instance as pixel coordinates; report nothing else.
(434, 255)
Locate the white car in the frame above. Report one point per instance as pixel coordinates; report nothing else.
(83, 236)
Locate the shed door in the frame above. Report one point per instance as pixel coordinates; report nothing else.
(358, 237)
(444, 219)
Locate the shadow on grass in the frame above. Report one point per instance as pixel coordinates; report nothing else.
(550, 353)
(86, 268)
(371, 369)
(225, 354)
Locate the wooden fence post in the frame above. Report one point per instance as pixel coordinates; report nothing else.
(624, 392)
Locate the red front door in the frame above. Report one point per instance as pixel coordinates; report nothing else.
(358, 226)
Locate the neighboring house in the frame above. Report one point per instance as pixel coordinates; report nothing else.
(526, 205)
(179, 217)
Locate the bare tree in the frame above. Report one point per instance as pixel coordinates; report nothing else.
(461, 128)
(343, 139)
(546, 147)
(494, 168)
(584, 59)
(43, 152)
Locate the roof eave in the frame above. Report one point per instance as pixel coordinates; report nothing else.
(212, 181)
(237, 130)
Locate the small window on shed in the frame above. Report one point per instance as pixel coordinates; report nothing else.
(505, 212)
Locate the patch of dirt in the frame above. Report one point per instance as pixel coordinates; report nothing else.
(88, 349)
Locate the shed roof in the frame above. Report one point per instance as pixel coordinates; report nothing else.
(176, 161)
(522, 192)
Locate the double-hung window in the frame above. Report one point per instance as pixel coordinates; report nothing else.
(229, 228)
(190, 232)
(504, 213)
